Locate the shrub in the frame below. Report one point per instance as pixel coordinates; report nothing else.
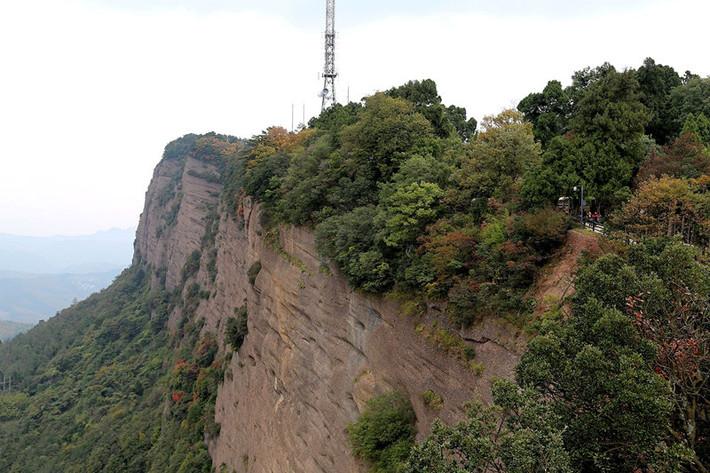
(264, 177)
(170, 217)
(432, 400)
(349, 239)
(447, 340)
(212, 264)
(191, 299)
(384, 433)
(206, 350)
(543, 229)
(253, 272)
(237, 328)
(192, 265)
(463, 302)
(476, 367)
(405, 210)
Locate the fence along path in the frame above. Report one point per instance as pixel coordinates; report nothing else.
(6, 384)
(599, 228)
(595, 227)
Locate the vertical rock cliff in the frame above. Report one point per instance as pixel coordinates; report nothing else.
(316, 349)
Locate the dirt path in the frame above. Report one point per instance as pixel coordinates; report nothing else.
(555, 282)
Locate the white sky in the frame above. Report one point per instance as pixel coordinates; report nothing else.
(90, 92)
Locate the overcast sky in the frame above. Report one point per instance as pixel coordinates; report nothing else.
(92, 90)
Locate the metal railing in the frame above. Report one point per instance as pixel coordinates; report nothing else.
(596, 227)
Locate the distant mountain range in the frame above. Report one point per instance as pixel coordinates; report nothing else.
(9, 330)
(102, 251)
(29, 298)
(42, 275)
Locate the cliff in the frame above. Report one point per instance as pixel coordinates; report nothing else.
(316, 349)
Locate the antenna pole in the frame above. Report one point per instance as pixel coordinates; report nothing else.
(329, 74)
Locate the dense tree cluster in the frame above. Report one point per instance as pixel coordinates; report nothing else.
(94, 399)
(404, 195)
(668, 206)
(609, 127)
(619, 384)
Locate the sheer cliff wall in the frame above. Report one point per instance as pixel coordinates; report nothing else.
(317, 350)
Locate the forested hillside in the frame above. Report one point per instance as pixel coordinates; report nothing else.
(94, 382)
(411, 201)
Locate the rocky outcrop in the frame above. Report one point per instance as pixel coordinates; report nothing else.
(177, 204)
(317, 350)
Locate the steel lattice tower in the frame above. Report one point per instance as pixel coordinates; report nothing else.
(329, 74)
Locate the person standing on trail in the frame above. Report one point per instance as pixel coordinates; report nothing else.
(596, 217)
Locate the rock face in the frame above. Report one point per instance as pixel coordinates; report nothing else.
(316, 350)
(177, 204)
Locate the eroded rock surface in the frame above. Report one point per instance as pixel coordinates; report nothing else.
(316, 349)
(174, 217)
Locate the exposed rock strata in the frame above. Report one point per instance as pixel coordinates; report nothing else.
(173, 221)
(316, 349)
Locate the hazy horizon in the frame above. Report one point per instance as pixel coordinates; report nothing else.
(72, 235)
(63, 254)
(93, 90)
(39, 275)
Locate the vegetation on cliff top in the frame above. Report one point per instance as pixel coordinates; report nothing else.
(401, 199)
(398, 204)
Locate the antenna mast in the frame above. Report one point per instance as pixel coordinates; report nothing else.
(329, 74)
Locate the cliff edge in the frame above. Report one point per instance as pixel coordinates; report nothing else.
(317, 350)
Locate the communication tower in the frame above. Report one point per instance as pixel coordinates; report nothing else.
(329, 74)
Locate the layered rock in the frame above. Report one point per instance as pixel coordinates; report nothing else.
(316, 350)
(177, 204)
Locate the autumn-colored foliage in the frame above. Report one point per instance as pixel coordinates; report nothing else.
(212, 147)
(449, 253)
(668, 206)
(277, 139)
